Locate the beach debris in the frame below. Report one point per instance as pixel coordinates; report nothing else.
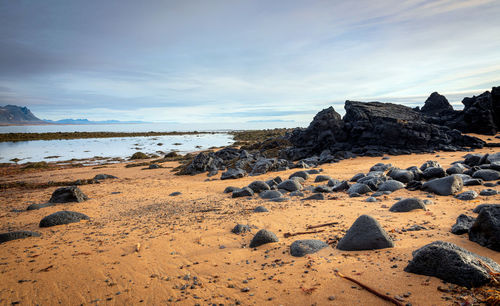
(175, 193)
(371, 290)
(365, 234)
(62, 217)
(322, 225)
(452, 263)
(288, 234)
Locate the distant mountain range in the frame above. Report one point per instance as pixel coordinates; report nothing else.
(17, 115)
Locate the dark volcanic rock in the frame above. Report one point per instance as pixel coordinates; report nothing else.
(391, 185)
(467, 195)
(359, 188)
(481, 114)
(290, 185)
(406, 205)
(262, 237)
(243, 192)
(68, 194)
(259, 186)
(240, 229)
(480, 207)
(403, 176)
(322, 189)
(486, 228)
(205, 161)
(455, 169)
(473, 182)
(435, 105)
(4, 237)
(344, 185)
(62, 217)
(356, 177)
(322, 178)
(38, 206)
(233, 174)
(301, 248)
(302, 174)
(434, 172)
(462, 225)
(488, 192)
(104, 177)
(260, 209)
(270, 194)
(365, 234)
(444, 186)
(230, 189)
(316, 196)
(451, 263)
(487, 175)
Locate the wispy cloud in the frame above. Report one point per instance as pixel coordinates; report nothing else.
(227, 61)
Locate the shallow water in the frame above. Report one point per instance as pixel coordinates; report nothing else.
(124, 147)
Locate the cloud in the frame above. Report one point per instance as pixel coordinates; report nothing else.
(225, 60)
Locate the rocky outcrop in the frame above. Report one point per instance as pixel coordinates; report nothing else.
(12, 114)
(481, 114)
(373, 129)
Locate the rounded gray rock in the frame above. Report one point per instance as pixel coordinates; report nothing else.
(391, 185)
(68, 194)
(259, 186)
(301, 248)
(260, 209)
(406, 205)
(487, 175)
(359, 188)
(488, 192)
(365, 234)
(4, 237)
(62, 217)
(444, 186)
(467, 195)
(262, 237)
(290, 185)
(270, 194)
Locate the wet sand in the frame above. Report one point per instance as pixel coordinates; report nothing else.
(143, 246)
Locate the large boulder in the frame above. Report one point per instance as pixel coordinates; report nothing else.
(486, 228)
(301, 248)
(444, 186)
(481, 113)
(365, 234)
(62, 217)
(451, 263)
(436, 104)
(68, 194)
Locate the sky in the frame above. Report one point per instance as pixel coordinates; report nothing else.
(235, 63)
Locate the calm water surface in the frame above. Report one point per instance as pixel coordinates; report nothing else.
(124, 147)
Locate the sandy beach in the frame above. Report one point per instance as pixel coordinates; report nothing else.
(143, 246)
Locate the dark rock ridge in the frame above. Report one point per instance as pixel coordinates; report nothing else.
(451, 263)
(367, 129)
(481, 114)
(373, 129)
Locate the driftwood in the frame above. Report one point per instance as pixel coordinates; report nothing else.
(380, 295)
(321, 225)
(286, 235)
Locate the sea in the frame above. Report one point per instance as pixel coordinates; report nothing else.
(101, 150)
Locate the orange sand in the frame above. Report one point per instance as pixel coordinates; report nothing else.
(97, 262)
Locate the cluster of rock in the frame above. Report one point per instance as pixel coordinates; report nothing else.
(481, 114)
(373, 129)
(485, 229)
(367, 129)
